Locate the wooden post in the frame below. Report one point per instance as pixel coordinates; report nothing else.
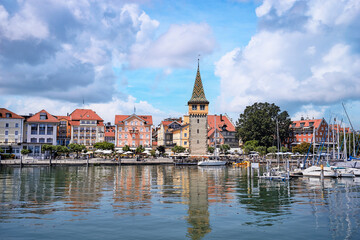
(21, 161)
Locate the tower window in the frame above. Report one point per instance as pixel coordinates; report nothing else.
(198, 131)
(198, 142)
(198, 121)
(202, 107)
(194, 107)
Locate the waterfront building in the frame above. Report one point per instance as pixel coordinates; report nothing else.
(173, 131)
(11, 132)
(63, 130)
(110, 133)
(198, 124)
(133, 130)
(40, 129)
(225, 131)
(87, 127)
(309, 130)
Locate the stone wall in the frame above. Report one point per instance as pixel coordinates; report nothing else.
(198, 134)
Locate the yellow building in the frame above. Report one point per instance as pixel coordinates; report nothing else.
(174, 131)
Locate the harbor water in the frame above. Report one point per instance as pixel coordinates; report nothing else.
(172, 202)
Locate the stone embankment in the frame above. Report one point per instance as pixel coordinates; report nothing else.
(91, 161)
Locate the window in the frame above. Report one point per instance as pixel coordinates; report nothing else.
(198, 142)
(33, 140)
(16, 133)
(126, 123)
(34, 128)
(136, 123)
(141, 142)
(126, 136)
(185, 143)
(6, 125)
(49, 129)
(185, 134)
(8, 115)
(198, 121)
(42, 129)
(194, 107)
(41, 140)
(133, 143)
(197, 130)
(141, 136)
(132, 123)
(126, 129)
(42, 116)
(6, 140)
(202, 107)
(147, 136)
(6, 133)
(120, 135)
(146, 129)
(16, 125)
(120, 129)
(309, 139)
(49, 140)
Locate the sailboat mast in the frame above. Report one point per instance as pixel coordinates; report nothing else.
(345, 152)
(215, 138)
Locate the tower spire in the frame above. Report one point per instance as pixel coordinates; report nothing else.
(198, 95)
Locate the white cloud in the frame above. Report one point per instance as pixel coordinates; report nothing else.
(24, 24)
(175, 48)
(291, 64)
(310, 111)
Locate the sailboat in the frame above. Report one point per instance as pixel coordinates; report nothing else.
(215, 161)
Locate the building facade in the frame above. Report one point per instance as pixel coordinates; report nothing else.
(87, 128)
(313, 131)
(40, 129)
(133, 130)
(110, 133)
(63, 130)
(198, 124)
(225, 131)
(11, 132)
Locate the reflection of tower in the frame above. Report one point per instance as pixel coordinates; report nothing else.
(198, 206)
(198, 110)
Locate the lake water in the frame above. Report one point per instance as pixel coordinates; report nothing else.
(168, 202)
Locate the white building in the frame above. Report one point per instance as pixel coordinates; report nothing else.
(11, 132)
(40, 129)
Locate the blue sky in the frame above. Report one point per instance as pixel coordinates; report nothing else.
(303, 55)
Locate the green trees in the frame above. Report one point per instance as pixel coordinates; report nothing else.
(104, 146)
(302, 148)
(258, 122)
(178, 149)
(224, 148)
(140, 149)
(74, 147)
(25, 151)
(211, 149)
(126, 148)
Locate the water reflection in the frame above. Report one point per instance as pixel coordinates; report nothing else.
(191, 196)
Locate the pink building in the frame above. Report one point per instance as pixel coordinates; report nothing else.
(133, 130)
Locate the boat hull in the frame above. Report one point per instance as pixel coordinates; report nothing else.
(211, 163)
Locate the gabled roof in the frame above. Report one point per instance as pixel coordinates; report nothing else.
(306, 123)
(85, 114)
(212, 132)
(4, 111)
(221, 121)
(49, 118)
(63, 117)
(198, 95)
(121, 118)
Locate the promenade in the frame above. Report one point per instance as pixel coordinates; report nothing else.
(91, 161)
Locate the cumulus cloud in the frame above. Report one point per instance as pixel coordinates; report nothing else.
(305, 52)
(68, 50)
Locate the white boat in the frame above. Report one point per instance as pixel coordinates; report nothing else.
(315, 171)
(211, 163)
(356, 171)
(344, 172)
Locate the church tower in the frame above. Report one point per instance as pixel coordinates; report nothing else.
(198, 111)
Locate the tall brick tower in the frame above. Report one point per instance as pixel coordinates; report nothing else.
(198, 111)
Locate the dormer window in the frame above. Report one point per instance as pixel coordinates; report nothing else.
(194, 107)
(8, 115)
(42, 116)
(302, 124)
(202, 107)
(311, 124)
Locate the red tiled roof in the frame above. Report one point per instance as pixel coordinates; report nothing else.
(211, 132)
(85, 114)
(120, 118)
(49, 118)
(165, 123)
(63, 117)
(341, 129)
(225, 121)
(316, 122)
(4, 111)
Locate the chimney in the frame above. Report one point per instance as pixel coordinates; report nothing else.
(221, 119)
(302, 118)
(30, 114)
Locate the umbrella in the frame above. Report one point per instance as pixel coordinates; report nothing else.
(128, 152)
(120, 151)
(146, 152)
(99, 151)
(107, 151)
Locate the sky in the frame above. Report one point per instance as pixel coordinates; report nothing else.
(117, 56)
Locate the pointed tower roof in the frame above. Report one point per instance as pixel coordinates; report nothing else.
(198, 95)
